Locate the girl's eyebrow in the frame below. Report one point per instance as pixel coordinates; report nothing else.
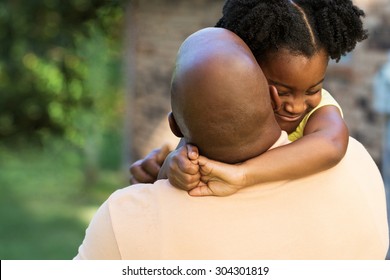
(278, 84)
(290, 87)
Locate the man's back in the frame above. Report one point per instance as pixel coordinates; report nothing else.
(336, 214)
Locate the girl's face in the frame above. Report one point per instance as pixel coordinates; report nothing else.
(298, 80)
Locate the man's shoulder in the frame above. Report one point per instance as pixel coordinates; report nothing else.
(139, 190)
(359, 164)
(143, 195)
(356, 148)
(134, 202)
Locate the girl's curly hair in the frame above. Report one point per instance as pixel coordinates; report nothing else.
(301, 26)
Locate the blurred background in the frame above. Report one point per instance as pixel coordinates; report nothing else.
(84, 91)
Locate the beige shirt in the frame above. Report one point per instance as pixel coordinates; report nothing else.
(336, 214)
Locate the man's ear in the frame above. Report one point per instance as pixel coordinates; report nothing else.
(275, 99)
(173, 125)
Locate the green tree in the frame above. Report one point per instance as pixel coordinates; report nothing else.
(59, 63)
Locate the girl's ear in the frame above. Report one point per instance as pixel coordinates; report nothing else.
(173, 125)
(275, 99)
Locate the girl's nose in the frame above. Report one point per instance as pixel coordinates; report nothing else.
(297, 106)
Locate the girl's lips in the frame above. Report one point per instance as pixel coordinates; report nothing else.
(289, 118)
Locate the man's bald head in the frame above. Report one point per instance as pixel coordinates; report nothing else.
(220, 97)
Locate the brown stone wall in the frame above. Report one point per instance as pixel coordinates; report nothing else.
(160, 26)
(351, 80)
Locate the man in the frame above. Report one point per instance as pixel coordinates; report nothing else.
(221, 103)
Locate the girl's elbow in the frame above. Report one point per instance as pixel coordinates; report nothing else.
(335, 157)
(336, 153)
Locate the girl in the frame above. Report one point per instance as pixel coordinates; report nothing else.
(292, 42)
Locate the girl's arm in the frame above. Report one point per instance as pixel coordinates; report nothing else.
(146, 170)
(323, 145)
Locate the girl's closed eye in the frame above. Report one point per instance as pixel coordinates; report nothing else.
(283, 92)
(313, 92)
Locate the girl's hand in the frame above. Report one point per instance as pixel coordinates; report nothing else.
(182, 167)
(219, 179)
(146, 170)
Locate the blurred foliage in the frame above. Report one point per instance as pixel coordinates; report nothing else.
(44, 208)
(60, 114)
(59, 69)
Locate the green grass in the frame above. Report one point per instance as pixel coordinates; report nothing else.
(45, 202)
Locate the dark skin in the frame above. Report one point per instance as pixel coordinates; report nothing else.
(298, 93)
(213, 67)
(211, 79)
(146, 170)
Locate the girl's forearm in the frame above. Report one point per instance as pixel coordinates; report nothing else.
(311, 154)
